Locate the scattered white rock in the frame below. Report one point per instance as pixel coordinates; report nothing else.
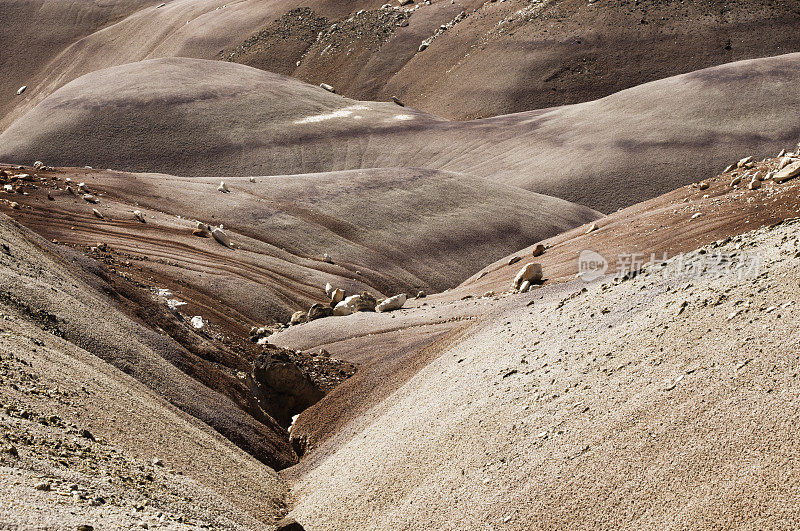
(355, 303)
(327, 87)
(745, 161)
(202, 230)
(197, 322)
(696, 215)
(678, 380)
(532, 272)
(328, 289)
(175, 304)
(21, 89)
(97, 213)
(223, 188)
(337, 296)
(294, 419)
(342, 308)
(298, 317)
(327, 258)
(392, 303)
(592, 228)
(252, 179)
(789, 172)
(89, 198)
(221, 237)
(138, 215)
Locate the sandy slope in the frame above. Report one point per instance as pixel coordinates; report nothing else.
(390, 349)
(193, 117)
(654, 403)
(520, 55)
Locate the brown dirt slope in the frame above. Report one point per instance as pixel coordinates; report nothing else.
(387, 231)
(676, 222)
(656, 229)
(72, 360)
(76, 299)
(650, 403)
(86, 36)
(501, 57)
(520, 55)
(630, 390)
(194, 117)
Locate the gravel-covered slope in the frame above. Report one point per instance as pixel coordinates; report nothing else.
(89, 439)
(658, 402)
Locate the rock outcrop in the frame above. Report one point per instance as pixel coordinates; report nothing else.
(318, 311)
(282, 388)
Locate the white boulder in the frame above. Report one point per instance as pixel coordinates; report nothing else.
(342, 308)
(789, 172)
(392, 303)
(532, 272)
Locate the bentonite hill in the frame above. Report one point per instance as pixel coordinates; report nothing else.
(426, 264)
